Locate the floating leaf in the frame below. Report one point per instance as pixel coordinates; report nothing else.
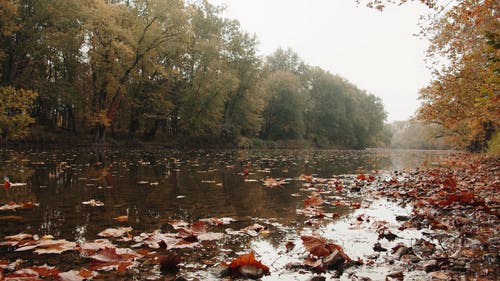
(114, 232)
(55, 246)
(74, 275)
(93, 203)
(121, 218)
(272, 182)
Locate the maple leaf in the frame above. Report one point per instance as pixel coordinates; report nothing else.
(191, 233)
(314, 200)
(46, 271)
(321, 247)
(74, 275)
(89, 248)
(110, 259)
(23, 274)
(198, 232)
(19, 237)
(55, 246)
(107, 255)
(272, 182)
(244, 264)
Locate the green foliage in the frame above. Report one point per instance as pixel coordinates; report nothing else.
(15, 105)
(283, 115)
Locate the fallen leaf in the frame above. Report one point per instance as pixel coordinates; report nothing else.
(121, 218)
(244, 264)
(272, 182)
(321, 247)
(93, 203)
(55, 246)
(170, 262)
(114, 232)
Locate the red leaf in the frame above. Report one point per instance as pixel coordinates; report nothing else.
(6, 184)
(108, 255)
(190, 234)
(313, 200)
(247, 259)
(46, 271)
(306, 177)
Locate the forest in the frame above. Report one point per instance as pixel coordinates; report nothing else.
(172, 72)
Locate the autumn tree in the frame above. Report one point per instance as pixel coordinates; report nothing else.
(244, 105)
(207, 81)
(15, 106)
(122, 38)
(464, 97)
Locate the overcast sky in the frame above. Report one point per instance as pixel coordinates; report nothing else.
(374, 50)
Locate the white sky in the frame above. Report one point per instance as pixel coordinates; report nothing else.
(374, 50)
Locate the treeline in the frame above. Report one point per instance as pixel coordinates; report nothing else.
(414, 134)
(171, 71)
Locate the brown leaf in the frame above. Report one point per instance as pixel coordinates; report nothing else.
(121, 218)
(114, 232)
(321, 247)
(169, 262)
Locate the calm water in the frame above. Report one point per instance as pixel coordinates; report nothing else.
(154, 187)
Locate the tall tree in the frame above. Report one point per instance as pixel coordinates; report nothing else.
(244, 105)
(283, 114)
(122, 38)
(464, 96)
(207, 79)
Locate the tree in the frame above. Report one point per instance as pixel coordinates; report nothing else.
(122, 39)
(464, 97)
(15, 105)
(244, 106)
(283, 114)
(207, 81)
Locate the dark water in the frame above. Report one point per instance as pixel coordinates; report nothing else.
(154, 187)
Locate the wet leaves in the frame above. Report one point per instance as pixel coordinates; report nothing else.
(169, 262)
(450, 233)
(13, 206)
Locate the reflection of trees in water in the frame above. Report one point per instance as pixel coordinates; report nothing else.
(145, 185)
(14, 165)
(409, 158)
